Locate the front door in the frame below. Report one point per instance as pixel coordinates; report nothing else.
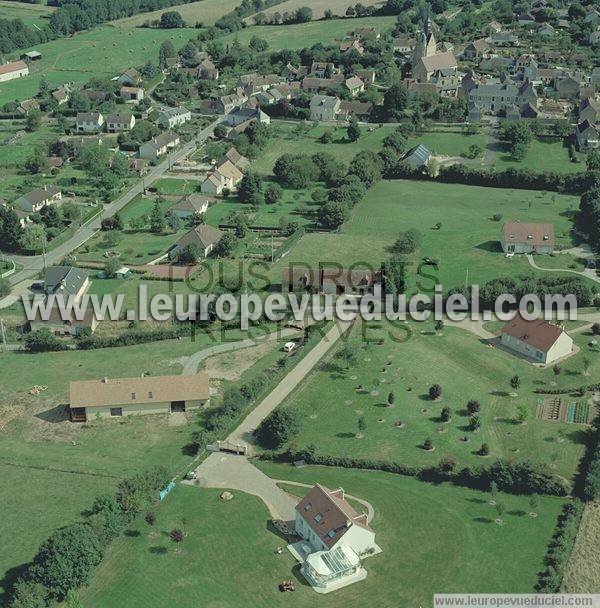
(177, 406)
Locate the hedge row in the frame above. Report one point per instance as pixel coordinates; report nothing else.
(65, 561)
(574, 183)
(560, 548)
(522, 477)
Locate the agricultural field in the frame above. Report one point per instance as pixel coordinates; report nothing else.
(205, 12)
(102, 52)
(33, 15)
(337, 395)
(302, 35)
(337, 7)
(143, 569)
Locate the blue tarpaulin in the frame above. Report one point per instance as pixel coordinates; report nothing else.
(163, 493)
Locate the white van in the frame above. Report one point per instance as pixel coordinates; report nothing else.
(289, 346)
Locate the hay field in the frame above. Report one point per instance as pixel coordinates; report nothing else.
(206, 11)
(582, 574)
(337, 7)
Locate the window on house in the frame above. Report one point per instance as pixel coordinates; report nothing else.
(116, 411)
(150, 395)
(133, 395)
(308, 506)
(331, 533)
(319, 517)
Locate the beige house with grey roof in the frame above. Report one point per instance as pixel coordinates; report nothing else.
(113, 398)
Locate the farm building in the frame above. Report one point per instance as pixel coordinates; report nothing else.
(527, 237)
(537, 340)
(31, 56)
(16, 69)
(145, 395)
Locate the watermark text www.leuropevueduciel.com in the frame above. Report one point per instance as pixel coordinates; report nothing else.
(251, 307)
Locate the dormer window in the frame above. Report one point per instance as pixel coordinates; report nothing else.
(319, 517)
(530, 237)
(546, 237)
(331, 533)
(308, 506)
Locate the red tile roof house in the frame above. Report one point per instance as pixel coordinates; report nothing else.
(538, 341)
(335, 537)
(527, 237)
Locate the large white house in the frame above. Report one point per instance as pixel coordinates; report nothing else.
(335, 538)
(537, 340)
(37, 199)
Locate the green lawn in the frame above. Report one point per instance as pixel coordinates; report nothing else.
(133, 247)
(542, 155)
(101, 52)
(434, 538)
(306, 34)
(176, 186)
(447, 142)
(465, 368)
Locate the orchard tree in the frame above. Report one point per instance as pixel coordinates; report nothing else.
(515, 382)
(435, 392)
(158, 221)
(473, 407)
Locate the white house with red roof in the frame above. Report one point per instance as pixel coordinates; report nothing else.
(538, 340)
(335, 538)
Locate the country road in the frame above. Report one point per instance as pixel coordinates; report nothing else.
(231, 471)
(33, 264)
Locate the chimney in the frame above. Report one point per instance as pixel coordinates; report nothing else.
(105, 380)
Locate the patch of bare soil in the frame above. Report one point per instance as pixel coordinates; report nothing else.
(582, 574)
(40, 418)
(231, 365)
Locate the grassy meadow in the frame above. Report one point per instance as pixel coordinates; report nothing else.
(302, 35)
(101, 52)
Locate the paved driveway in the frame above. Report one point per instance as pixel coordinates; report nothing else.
(232, 472)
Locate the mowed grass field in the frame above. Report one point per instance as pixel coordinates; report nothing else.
(302, 35)
(468, 238)
(205, 12)
(434, 538)
(31, 14)
(410, 359)
(102, 52)
(337, 7)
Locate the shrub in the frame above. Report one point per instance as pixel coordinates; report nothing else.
(43, 340)
(65, 561)
(278, 428)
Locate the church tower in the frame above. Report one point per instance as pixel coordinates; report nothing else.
(426, 44)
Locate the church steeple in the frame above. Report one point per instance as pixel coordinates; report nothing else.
(426, 44)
